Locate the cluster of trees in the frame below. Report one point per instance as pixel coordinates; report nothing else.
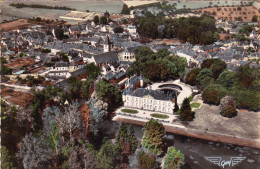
(30, 80)
(217, 82)
(103, 20)
(5, 70)
(109, 94)
(157, 66)
(22, 5)
(209, 71)
(196, 30)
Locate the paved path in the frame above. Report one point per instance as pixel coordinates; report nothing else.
(185, 92)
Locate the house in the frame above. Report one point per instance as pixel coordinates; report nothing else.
(152, 100)
(104, 58)
(128, 54)
(188, 54)
(60, 66)
(131, 29)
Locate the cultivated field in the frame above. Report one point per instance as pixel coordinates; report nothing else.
(21, 23)
(233, 13)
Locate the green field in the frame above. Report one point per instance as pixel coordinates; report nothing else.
(161, 116)
(195, 105)
(129, 111)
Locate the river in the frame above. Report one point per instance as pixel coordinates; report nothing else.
(195, 150)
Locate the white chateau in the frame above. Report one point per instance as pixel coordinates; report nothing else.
(152, 100)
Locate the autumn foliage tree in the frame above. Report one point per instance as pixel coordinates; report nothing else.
(147, 161)
(153, 137)
(191, 77)
(174, 159)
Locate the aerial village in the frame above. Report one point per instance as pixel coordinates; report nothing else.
(78, 74)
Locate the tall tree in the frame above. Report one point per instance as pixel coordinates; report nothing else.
(174, 159)
(125, 10)
(153, 137)
(185, 112)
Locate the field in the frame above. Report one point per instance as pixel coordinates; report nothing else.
(18, 98)
(21, 23)
(232, 13)
(17, 63)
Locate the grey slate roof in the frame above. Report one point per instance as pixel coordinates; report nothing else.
(108, 57)
(61, 64)
(156, 94)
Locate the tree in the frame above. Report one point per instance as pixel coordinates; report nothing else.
(53, 138)
(210, 96)
(98, 108)
(227, 78)
(132, 139)
(107, 155)
(125, 10)
(154, 132)
(255, 18)
(96, 19)
(106, 14)
(118, 29)
(7, 161)
(204, 73)
(185, 112)
(69, 121)
(191, 77)
(228, 106)
(80, 157)
(109, 93)
(174, 158)
(59, 33)
(122, 133)
(103, 20)
(38, 19)
(33, 151)
(147, 161)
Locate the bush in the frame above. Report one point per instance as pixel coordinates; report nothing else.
(228, 106)
(161, 116)
(129, 111)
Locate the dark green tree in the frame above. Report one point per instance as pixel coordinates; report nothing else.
(125, 10)
(59, 33)
(255, 18)
(96, 19)
(132, 139)
(118, 29)
(103, 20)
(93, 71)
(186, 114)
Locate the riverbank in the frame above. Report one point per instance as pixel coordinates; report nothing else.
(211, 136)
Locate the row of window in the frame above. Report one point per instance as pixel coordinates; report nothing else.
(149, 107)
(149, 101)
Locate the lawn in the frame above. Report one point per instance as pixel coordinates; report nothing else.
(195, 105)
(129, 111)
(161, 116)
